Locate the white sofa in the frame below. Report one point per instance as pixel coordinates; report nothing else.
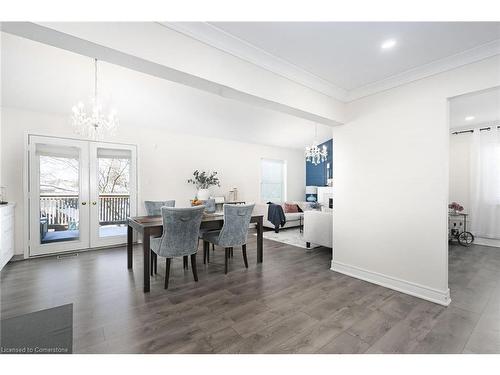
(318, 228)
(292, 218)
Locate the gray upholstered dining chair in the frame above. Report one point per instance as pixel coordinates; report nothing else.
(181, 227)
(209, 206)
(153, 208)
(209, 209)
(233, 233)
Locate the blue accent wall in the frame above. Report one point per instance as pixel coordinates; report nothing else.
(316, 175)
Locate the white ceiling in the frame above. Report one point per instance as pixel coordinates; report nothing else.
(347, 55)
(484, 106)
(42, 78)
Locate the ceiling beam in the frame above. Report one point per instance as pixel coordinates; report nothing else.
(84, 47)
(217, 38)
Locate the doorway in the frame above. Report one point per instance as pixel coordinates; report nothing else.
(474, 190)
(80, 193)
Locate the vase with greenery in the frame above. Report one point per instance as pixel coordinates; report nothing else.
(203, 181)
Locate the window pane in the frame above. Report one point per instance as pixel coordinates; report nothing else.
(114, 194)
(272, 192)
(272, 171)
(59, 170)
(272, 180)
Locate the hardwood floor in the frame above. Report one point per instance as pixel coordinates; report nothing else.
(292, 303)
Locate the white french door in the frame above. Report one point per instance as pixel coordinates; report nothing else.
(112, 192)
(80, 193)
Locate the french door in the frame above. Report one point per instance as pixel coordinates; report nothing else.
(80, 193)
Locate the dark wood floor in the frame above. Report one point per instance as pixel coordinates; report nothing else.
(292, 303)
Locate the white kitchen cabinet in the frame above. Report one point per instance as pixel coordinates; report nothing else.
(6, 233)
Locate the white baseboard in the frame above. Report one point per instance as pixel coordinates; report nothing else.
(420, 291)
(486, 242)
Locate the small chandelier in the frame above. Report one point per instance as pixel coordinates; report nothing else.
(314, 154)
(94, 125)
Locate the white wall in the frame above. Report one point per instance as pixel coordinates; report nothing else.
(165, 161)
(391, 182)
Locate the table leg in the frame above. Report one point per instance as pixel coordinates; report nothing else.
(260, 231)
(146, 250)
(130, 232)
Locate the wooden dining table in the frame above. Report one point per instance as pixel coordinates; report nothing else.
(153, 226)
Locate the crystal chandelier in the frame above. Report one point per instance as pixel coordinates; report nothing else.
(314, 154)
(94, 125)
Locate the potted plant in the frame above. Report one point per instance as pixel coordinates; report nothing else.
(203, 182)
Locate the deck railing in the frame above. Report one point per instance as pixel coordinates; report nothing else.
(114, 208)
(61, 210)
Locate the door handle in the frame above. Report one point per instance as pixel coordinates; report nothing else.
(84, 203)
(94, 203)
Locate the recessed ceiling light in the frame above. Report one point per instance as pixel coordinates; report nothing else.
(469, 118)
(388, 44)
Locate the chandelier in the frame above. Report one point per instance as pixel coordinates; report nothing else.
(95, 124)
(314, 154)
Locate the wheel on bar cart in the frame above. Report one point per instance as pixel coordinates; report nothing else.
(465, 238)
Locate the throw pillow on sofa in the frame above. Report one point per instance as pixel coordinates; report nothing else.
(290, 208)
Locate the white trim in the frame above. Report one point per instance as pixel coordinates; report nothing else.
(413, 289)
(26, 202)
(469, 56)
(487, 242)
(226, 42)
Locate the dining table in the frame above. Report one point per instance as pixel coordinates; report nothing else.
(153, 226)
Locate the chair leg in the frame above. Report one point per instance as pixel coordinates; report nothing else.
(193, 267)
(208, 252)
(185, 262)
(167, 272)
(205, 245)
(213, 247)
(156, 263)
(151, 262)
(226, 257)
(244, 248)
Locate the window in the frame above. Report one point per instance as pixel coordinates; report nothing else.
(273, 180)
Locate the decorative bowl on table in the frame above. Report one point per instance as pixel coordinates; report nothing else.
(196, 202)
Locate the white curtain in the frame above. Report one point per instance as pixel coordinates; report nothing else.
(485, 183)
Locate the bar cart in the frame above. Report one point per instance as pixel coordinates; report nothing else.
(457, 229)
